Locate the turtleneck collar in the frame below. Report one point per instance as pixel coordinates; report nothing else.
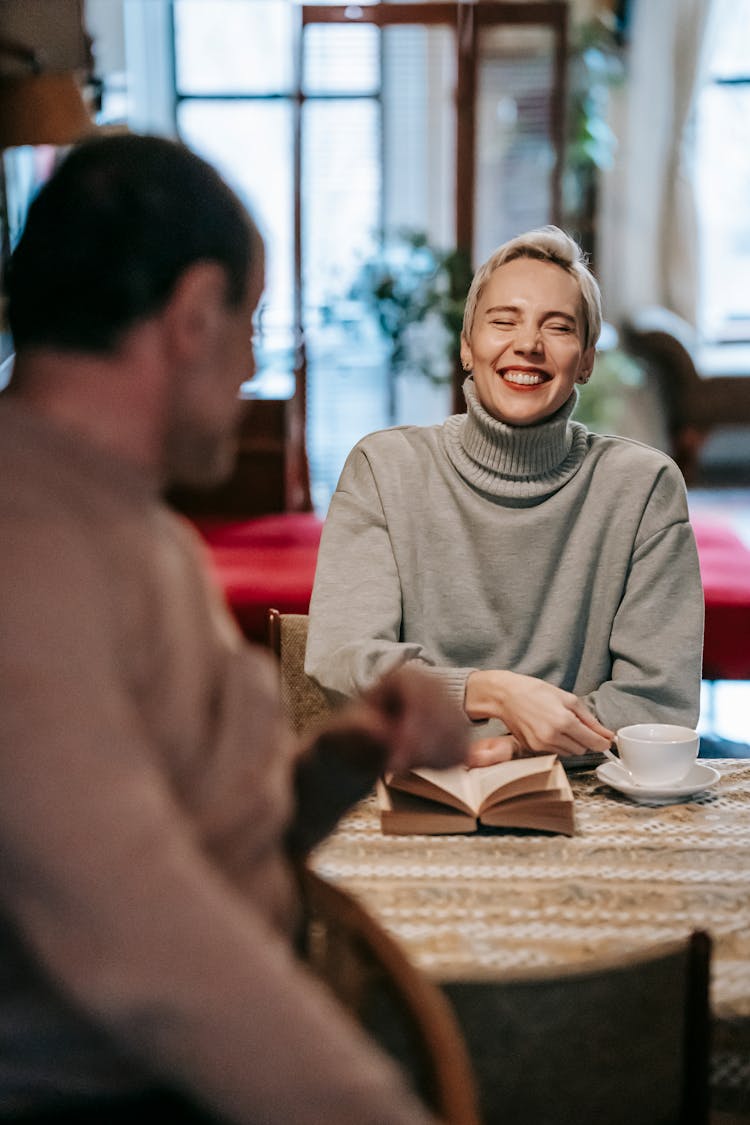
(514, 463)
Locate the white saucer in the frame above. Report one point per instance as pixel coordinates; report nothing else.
(700, 777)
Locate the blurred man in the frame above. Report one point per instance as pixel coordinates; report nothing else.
(152, 800)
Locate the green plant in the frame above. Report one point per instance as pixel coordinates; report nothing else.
(416, 295)
(595, 66)
(603, 402)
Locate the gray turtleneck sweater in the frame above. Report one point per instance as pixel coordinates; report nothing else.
(544, 549)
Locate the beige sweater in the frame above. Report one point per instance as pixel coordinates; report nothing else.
(145, 790)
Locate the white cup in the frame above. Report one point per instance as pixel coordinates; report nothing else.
(656, 755)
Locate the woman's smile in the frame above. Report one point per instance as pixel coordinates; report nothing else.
(523, 378)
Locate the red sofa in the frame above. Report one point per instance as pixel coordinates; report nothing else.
(265, 562)
(725, 570)
(269, 561)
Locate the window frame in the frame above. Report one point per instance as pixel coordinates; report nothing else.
(468, 19)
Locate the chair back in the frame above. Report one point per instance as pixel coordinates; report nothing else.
(303, 701)
(401, 1008)
(695, 403)
(618, 1042)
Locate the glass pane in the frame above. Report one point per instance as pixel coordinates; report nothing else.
(341, 187)
(731, 53)
(227, 47)
(419, 131)
(723, 174)
(339, 58)
(353, 387)
(250, 144)
(419, 135)
(515, 154)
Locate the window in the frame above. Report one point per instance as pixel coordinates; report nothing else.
(22, 172)
(723, 178)
(234, 81)
(340, 127)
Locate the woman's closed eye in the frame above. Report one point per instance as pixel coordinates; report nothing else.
(561, 326)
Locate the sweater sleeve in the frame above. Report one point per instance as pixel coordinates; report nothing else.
(656, 642)
(349, 649)
(103, 874)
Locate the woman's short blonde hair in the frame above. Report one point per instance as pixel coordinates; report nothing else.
(547, 244)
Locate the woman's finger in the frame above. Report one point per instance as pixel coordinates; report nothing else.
(488, 751)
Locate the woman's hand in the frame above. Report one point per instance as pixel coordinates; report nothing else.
(490, 751)
(540, 717)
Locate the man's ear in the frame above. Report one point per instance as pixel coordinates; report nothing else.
(587, 366)
(193, 315)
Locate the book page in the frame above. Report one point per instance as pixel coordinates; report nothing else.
(475, 789)
(552, 816)
(548, 810)
(493, 784)
(451, 787)
(403, 814)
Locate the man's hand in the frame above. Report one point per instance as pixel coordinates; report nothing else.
(541, 718)
(416, 718)
(405, 720)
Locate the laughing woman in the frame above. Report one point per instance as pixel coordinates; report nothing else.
(547, 575)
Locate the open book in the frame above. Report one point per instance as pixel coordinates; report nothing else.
(531, 793)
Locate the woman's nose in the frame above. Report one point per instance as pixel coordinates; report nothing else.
(528, 339)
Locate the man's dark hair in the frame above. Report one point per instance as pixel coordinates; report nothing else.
(109, 235)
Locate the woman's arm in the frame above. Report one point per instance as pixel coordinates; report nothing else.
(540, 717)
(657, 636)
(355, 610)
(655, 647)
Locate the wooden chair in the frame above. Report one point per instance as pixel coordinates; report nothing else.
(618, 1042)
(401, 1008)
(367, 970)
(302, 699)
(695, 404)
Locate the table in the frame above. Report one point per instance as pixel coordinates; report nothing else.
(470, 906)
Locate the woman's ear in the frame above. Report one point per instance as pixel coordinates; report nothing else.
(467, 360)
(586, 366)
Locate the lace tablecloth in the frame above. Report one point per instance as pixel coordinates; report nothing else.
(471, 906)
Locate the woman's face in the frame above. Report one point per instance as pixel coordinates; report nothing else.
(526, 349)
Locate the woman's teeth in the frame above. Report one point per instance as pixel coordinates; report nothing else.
(525, 378)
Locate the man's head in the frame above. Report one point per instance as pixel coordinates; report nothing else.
(548, 244)
(136, 238)
(109, 235)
